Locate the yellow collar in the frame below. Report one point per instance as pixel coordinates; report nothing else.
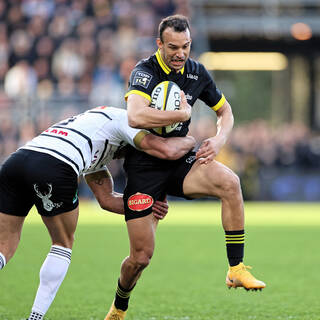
(163, 66)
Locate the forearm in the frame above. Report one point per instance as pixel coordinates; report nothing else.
(179, 146)
(141, 115)
(101, 184)
(167, 148)
(225, 121)
(152, 118)
(114, 203)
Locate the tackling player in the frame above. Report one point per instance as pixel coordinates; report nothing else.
(193, 176)
(45, 173)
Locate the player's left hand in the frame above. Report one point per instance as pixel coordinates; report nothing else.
(208, 150)
(160, 209)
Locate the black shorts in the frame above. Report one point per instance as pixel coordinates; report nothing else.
(30, 178)
(149, 181)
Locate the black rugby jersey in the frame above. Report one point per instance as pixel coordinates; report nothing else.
(193, 79)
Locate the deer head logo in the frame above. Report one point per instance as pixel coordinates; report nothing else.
(45, 197)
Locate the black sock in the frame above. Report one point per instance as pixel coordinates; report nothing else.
(235, 246)
(122, 297)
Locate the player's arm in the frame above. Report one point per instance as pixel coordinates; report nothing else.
(101, 184)
(211, 146)
(140, 115)
(166, 148)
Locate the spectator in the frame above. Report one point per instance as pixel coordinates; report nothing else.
(20, 80)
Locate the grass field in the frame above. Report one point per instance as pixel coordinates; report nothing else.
(186, 278)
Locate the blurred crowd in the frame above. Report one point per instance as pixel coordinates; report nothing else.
(76, 49)
(59, 57)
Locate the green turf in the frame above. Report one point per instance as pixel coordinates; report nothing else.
(185, 280)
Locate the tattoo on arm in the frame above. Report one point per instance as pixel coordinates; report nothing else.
(99, 177)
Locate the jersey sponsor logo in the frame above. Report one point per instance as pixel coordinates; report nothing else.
(142, 79)
(59, 132)
(48, 205)
(192, 76)
(140, 202)
(188, 97)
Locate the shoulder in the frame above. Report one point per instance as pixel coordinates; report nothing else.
(195, 66)
(147, 64)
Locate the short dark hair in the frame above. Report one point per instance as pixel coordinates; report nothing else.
(178, 22)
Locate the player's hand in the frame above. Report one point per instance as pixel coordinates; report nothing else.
(208, 150)
(185, 107)
(160, 209)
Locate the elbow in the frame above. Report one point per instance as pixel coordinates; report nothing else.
(136, 120)
(133, 123)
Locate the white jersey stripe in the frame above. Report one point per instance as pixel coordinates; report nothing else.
(65, 140)
(87, 141)
(76, 131)
(103, 153)
(99, 112)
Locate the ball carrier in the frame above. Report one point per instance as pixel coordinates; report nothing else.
(195, 175)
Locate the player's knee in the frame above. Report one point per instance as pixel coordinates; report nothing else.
(231, 186)
(142, 259)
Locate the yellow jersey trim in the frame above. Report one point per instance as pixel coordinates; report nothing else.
(163, 66)
(140, 93)
(138, 138)
(220, 103)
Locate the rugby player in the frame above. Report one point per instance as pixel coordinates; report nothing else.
(193, 176)
(45, 173)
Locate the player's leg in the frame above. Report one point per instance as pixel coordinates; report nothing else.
(146, 184)
(215, 179)
(10, 233)
(54, 268)
(54, 193)
(15, 203)
(142, 240)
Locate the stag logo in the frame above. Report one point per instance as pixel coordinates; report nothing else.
(45, 197)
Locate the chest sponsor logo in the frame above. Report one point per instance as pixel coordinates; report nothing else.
(192, 76)
(142, 79)
(140, 202)
(59, 132)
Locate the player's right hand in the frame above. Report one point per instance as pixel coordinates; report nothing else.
(185, 107)
(160, 209)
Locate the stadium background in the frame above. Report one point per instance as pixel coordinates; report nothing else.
(59, 58)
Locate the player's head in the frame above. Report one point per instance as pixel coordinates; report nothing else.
(174, 41)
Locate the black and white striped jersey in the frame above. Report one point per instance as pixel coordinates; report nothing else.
(87, 141)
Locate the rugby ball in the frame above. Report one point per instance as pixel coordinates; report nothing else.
(166, 96)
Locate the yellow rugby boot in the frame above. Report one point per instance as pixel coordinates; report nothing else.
(115, 314)
(239, 276)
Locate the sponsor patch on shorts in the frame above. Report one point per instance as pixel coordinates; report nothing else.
(142, 79)
(191, 159)
(140, 201)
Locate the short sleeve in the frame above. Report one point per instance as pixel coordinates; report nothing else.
(142, 81)
(130, 135)
(211, 95)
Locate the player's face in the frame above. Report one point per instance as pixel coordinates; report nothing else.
(175, 48)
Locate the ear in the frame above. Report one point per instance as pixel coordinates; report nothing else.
(159, 43)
